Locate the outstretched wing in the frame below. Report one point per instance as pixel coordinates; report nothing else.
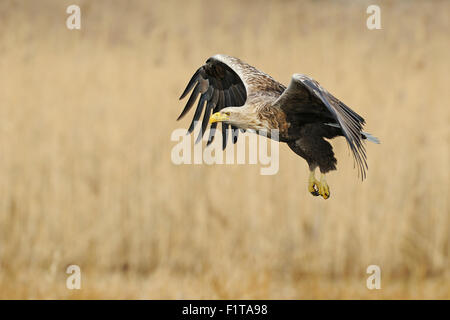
(306, 100)
(219, 86)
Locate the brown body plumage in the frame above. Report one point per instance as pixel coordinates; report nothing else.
(242, 97)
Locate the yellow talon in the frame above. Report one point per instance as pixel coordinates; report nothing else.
(313, 184)
(324, 189)
(317, 188)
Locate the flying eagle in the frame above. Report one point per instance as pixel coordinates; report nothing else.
(242, 97)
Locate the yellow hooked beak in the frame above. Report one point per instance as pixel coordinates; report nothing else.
(218, 117)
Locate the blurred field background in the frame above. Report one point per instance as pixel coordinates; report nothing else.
(86, 176)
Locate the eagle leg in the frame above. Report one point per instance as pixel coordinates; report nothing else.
(313, 184)
(324, 189)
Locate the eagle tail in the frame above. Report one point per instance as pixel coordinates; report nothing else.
(370, 137)
(364, 135)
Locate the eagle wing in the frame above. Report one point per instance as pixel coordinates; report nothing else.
(219, 86)
(306, 101)
(224, 81)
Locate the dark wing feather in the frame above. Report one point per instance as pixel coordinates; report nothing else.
(305, 100)
(219, 86)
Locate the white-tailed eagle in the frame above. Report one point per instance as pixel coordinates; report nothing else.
(242, 97)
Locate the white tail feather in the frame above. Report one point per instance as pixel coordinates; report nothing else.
(368, 136)
(371, 138)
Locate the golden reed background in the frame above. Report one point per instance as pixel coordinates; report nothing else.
(86, 176)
